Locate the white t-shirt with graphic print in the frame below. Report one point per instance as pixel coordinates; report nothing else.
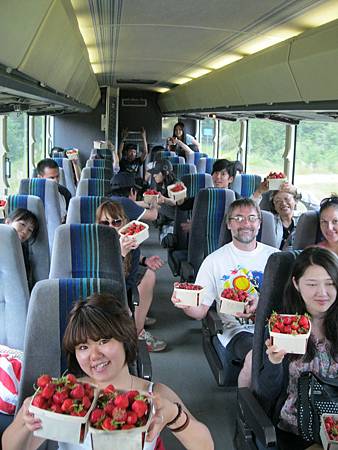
(227, 267)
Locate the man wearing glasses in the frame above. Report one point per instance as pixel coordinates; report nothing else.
(239, 264)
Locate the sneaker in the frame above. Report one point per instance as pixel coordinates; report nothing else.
(149, 321)
(153, 343)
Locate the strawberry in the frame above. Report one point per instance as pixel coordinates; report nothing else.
(48, 390)
(60, 396)
(56, 408)
(77, 392)
(71, 379)
(97, 415)
(121, 401)
(304, 322)
(108, 425)
(140, 407)
(43, 380)
(68, 405)
(119, 415)
(131, 418)
(127, 426)
(131, 395)
(40, 402)
(109, 389)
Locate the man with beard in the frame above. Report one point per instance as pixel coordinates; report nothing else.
(240, 265)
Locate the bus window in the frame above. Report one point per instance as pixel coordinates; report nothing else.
(17, 149)
(207, 135)
(39, 135)
(266, 147)
(229, 134)
(168, 126)
(316, 170)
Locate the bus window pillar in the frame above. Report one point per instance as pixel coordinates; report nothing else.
(4, 160)
(49, 128)
(288, 156)
(31, 145)
(243, 142)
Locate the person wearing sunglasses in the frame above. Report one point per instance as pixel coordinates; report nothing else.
(112, 214)
(240, 265)
(328, 219)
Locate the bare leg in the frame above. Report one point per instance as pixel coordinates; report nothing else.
(244, 377)
(146, 290)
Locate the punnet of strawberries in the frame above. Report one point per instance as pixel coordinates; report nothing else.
(63, 395)
(188, 286)
(133, 228)
(177, 188)
(289, 324)
(331, 426)
(276, 175)
(120, 410)
(237, 295)
(151, 192)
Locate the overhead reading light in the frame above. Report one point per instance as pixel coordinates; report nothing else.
(181, 80)
(162, 90)
(266, 40)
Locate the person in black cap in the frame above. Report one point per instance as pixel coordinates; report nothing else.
(124, 190)
(128, 159)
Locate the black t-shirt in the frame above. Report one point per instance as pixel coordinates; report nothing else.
(130, 166)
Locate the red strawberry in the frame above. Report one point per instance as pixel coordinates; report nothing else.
(110, 389)
(43, 380)
(77, 392)
(71, 378)
(127, 426)
(96, 415)
(60, 396)
(40, 402)
(132, 394)
(48, 390)
(86, 402)
(56, 408)
(304, 322)
(108, 425)
(121, 401)
(140, 407)
(68, 405)
(131, 418)
(119, 415)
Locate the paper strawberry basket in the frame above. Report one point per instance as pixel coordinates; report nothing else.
(119, 419)
(275, 180)
(177, 191)
(233, 301)
(150, 196)
(58, 424)
(290, 332)
(136, 229)
(72, 153)
(329, 431)
(189, 294)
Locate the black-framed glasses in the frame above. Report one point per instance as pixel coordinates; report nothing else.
(239, 219)
(112, 222)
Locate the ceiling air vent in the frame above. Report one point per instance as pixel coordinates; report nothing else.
(135, 102)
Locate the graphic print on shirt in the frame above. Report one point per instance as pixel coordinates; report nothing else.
(243, 280)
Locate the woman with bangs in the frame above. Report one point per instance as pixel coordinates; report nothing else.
(112, 214)
(312, 288)
(101, 358)
(328, 219)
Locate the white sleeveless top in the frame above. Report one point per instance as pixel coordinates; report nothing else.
(87, 444)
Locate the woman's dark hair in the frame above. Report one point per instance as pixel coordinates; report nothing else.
(293, 301)
(100, 316)
(26, 216)
(181, 125)
(327, 202)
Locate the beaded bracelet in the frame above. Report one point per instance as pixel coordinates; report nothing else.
(179, 412)
(182, 427)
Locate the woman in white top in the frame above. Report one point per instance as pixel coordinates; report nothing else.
(100, 340)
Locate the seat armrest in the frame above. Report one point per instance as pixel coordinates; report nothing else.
(213, 323)
(143, 361)
(255, 418)
(187, 272)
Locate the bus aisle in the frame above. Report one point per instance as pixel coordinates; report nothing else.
(183, 365)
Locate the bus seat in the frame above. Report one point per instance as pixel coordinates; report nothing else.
(211, 204)
(183, 169)
(308, 230)
(212, 324)
(14, 293)
(265, 202)
(39, 254)
(48, 192)
(105, 163)
(266, 233)
(245, 184)
(193, 158)
(204, 165)
(83, 209)
(163, 154)
(67, 167)
(86, 251)
(252, 421)
(176, 159)
(93, 186)
(101, 173)
(101, 153)
(179, 251)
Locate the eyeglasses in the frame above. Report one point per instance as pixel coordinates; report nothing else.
(240, 219)
(113, 222)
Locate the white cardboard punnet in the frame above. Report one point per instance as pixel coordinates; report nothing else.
(291, 343)
(189, 297)
(180, 195)
(231, 306)
(141, 236)
(276, 183)
(328, 444)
